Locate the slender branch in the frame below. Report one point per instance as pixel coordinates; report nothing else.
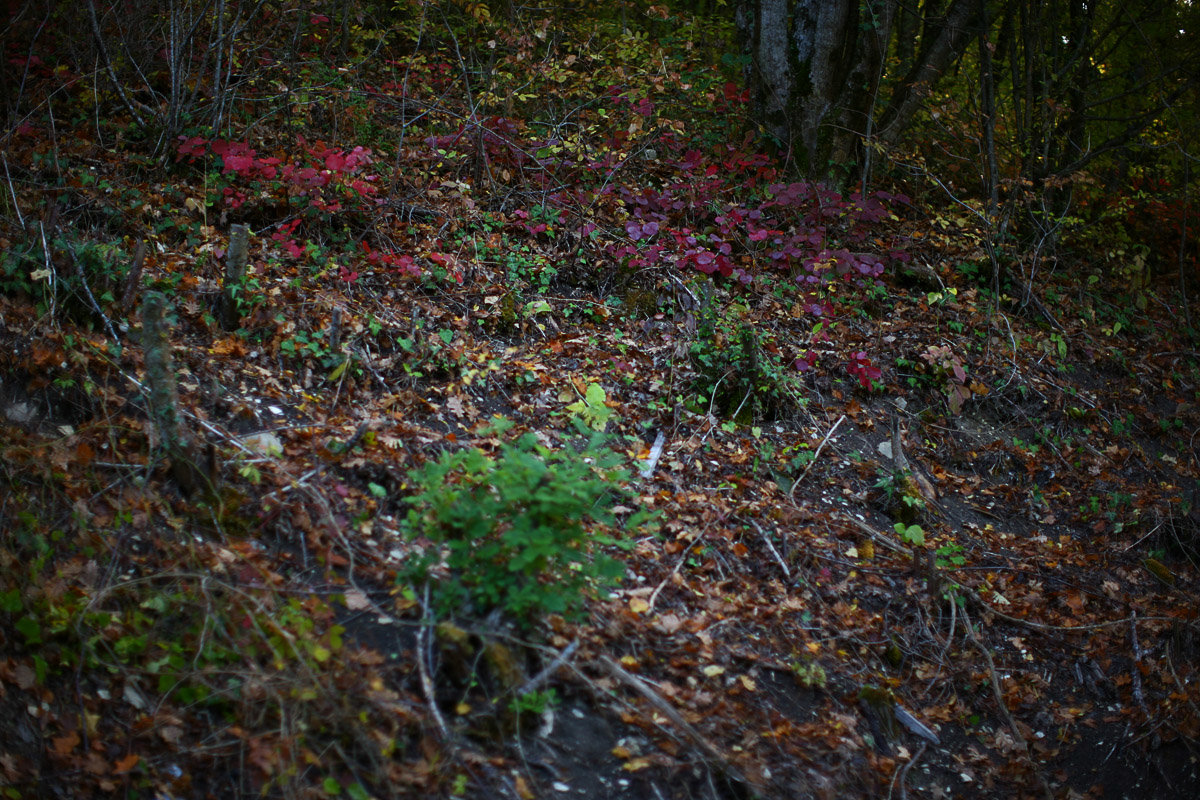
(667, 710)
(820, 447)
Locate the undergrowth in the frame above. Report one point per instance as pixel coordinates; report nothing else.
(517, 532)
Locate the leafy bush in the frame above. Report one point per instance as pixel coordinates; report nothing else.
(740, 368)
(70, 275)
(511, 532)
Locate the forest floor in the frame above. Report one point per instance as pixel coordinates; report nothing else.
(909, 537)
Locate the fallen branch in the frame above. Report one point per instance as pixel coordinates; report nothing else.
(787, 573)
(792, 491)
(537, 680)
(902, 774)
(424, 644)
(999, 697)
(668, 711)
(1042, 626)
(1136, 672)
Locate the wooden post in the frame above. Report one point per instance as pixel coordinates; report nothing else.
(162, 397)
(235, 276)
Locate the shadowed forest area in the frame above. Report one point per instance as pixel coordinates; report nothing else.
(629, 401)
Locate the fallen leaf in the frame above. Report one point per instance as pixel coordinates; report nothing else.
(64, 744)
(171, 734)
(25, 677)
(356, 600)
(96, 764)
(127, 763)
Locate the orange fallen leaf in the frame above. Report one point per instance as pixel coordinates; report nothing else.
(64, 744)
(127, 763)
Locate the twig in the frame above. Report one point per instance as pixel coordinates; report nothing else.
(13, 192)
(792, 491)
(995, 679)
(1136, 671)
(1041, 626)
(667, 710)
(999, 697)
(91, 298)
(678, 564)
(902, 775)
(545, 675)
(108, 66)
(787, 573)
(684, 287)
(424, 643)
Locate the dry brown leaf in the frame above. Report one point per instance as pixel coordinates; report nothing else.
(63, 745)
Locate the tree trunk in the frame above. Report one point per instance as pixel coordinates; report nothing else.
(815, 68)
(942, 42)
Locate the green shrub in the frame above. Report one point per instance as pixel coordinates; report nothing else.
(75, 278)
(516, 531)
(740, 368)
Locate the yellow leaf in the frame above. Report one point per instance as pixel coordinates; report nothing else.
(339, 370)
(1160, 571)
(638, 606)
